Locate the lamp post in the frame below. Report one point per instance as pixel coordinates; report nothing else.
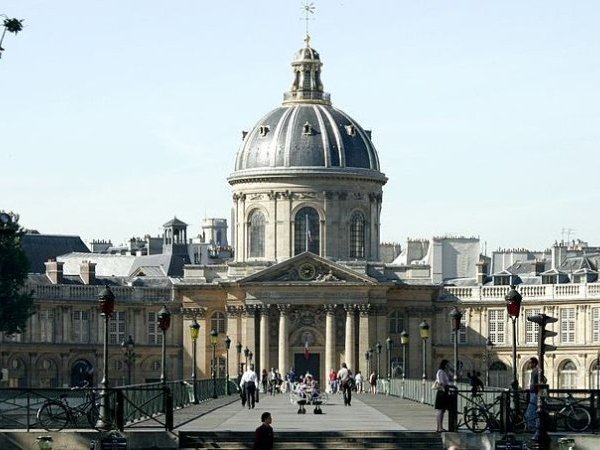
(246, 354)
(404, 342)
(378, 347)
(106, 300)
(388, 345)
(370, 360)
(164, 322)
(213, 342)
(455, 316)
(194, 332)
(127, 349)
(250, 355)
(513, 307)
(238, 347)
(424, 332)
(227, 345)
(489, 346)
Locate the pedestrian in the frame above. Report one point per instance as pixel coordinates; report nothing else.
(442, 399)
(531, 417)
(250, 382)
(263, 439)
(345, 377)
(373, 382)
(333, 381)
(475, 383)
(358, 380)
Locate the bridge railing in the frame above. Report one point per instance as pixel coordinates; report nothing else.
(153, 403)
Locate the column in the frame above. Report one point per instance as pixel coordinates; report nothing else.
(349, 347)
(330, 360)
(284, 341)
(264, 338)
(233, 331)
(364, 340)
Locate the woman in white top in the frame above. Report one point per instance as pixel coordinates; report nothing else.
(442, 399)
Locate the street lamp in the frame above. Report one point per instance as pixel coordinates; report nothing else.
(424, 332)
(106, 300)
(378, 347)
(213, 342)
(246, 354)
(194, 332)
(404, 342)
(250, 355)
(371, 360)
(238, 347)
(388, 345)
(227, 345)
(164, 322)
(127, 349)
(513, 307)
(489, 346)
(455, 316)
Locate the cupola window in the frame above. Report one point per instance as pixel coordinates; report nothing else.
(263, 130)
(306, 231)
(357, 236)
(351, 130)
(308, 129)
(257, 235)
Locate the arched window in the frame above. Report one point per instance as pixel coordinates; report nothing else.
(499, 375)
(306, 231)
(567, 376)
(357, 236)
(396, 322)
(217, 322)
(257, 235)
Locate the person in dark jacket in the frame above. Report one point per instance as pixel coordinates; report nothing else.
(264, 434)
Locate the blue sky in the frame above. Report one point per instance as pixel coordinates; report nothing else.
(117, 115)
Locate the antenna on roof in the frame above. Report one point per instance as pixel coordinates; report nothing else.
(568, 232)
(308, 8)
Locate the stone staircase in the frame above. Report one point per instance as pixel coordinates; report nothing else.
(330, 440)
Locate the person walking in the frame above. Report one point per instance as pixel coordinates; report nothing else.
(373, 382)
(358, 380)
(442, 399)
(249, 383)
(531, 416)
(345, 377)
(263, 437)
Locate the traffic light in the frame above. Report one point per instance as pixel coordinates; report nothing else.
(542, 320)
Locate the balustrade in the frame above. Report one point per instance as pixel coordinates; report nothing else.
(529, 292)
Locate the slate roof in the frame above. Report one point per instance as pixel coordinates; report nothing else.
(39, 248)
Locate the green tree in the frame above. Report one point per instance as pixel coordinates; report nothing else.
(16, 304)
(9, 25)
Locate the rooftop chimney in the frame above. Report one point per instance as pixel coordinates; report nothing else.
(54, 271)
(87, 271)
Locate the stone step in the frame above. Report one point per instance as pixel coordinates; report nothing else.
(386, 440)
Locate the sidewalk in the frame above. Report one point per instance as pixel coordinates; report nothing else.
(368, 412)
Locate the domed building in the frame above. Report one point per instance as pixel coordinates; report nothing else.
(306, 288)
(307, 178)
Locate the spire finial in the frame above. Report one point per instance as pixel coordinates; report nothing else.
(309, 8)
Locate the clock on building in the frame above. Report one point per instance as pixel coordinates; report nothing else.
(307, 271)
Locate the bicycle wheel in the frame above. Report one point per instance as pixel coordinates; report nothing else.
(53, 416)
(578, 418)
(475, 420)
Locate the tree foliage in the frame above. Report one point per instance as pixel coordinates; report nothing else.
(16, 304)
(11, 25)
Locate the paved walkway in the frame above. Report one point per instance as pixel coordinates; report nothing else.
(368, 412)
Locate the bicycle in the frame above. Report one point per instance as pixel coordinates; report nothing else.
(575, 416)
(480, 416)
(54, 415)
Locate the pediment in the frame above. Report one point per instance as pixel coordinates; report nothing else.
(308, 268)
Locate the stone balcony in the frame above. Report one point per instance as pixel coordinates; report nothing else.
(90, 293)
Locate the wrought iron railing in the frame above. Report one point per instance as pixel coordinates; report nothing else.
(151, 403)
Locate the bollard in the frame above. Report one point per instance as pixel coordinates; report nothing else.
(120, 410)
(453, 410)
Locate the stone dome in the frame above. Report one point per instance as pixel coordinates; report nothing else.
(307, 134)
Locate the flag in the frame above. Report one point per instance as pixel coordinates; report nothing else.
(306, 350)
